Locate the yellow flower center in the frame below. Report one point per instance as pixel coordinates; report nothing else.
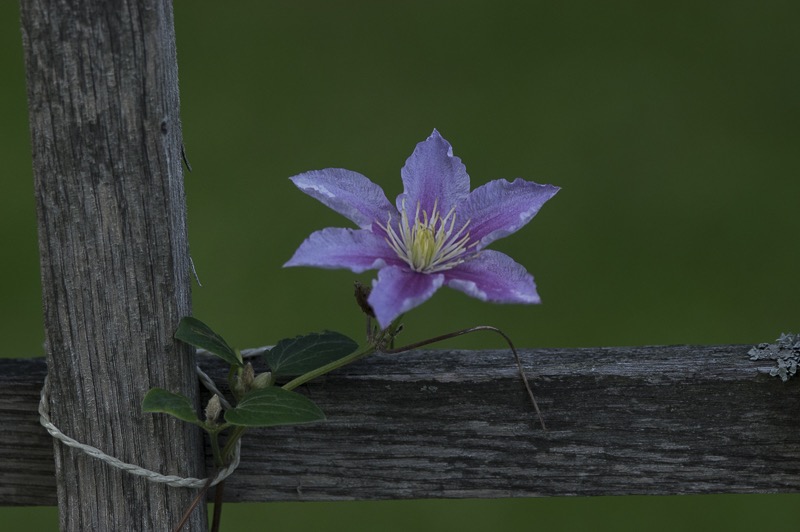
(429, 244)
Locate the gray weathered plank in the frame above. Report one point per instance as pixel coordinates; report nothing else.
(428, 424)
(106, 141)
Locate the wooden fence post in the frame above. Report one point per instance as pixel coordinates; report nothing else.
(106, 139)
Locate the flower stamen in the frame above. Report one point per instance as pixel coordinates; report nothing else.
(429, 245)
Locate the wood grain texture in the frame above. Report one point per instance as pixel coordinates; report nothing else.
(106, 141)
(432, 424)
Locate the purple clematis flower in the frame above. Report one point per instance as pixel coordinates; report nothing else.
(435, 234)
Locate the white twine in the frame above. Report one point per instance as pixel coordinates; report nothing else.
(211, 387)
(170, 480)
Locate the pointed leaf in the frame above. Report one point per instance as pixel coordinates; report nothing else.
(195, 332)
(296, 356)
(175, 404)
(273, 406)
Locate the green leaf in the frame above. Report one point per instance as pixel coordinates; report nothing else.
(175, 404)
(272, 406)
(195, 332)
(296, 356)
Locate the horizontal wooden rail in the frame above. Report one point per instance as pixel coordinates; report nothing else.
(429, 424)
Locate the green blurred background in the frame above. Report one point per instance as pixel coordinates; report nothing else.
(671, 127)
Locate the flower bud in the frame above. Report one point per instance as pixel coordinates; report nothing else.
(262, 380)
(213, 410)
(248, 376)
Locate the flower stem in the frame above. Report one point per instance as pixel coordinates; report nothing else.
(220, 459)
(227, 451)
(322, 370)
(195, 502)
(214, 437)
(217, 519)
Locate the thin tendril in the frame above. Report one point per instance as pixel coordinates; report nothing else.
(447, 336)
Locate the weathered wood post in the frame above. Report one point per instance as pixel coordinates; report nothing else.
(106, 139)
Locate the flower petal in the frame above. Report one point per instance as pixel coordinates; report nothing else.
(493, 276)
(348, 193)
(355, 250)
(500, 208)
(398, 290)
(433, 173)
